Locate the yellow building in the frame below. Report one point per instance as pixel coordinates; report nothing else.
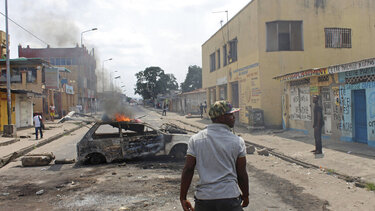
(268, 38)
(3, 49)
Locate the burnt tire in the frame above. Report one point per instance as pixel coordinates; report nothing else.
(179, 152)
(96, 158)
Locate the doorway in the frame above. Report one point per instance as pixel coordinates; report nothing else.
(360, 120)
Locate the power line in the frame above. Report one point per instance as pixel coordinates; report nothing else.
(24, 29)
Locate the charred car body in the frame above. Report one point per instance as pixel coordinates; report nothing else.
(111, 140)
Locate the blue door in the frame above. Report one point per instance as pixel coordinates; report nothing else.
(360, 121)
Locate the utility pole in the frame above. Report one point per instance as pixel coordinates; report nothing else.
(9, 107)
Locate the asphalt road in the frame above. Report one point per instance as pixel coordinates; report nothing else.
(268, 191)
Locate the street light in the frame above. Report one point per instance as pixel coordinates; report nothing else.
(103, 71)
(93, 29)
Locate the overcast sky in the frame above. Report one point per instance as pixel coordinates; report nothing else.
(135, 33)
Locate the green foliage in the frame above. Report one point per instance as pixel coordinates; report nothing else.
(153, 81)
(193, 79)
(370, 186)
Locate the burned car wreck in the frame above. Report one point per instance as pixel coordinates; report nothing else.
(107, 141)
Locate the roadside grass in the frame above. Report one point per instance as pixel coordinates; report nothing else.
(330, 171)
(370, 186)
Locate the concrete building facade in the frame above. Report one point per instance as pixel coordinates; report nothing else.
(268, 38)
(80, 85)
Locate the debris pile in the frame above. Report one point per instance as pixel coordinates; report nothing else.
(42, 159)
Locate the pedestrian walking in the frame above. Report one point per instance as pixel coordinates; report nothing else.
(205, 107)
(317, 125)
(220, 159)
(201, 107)
(38, 121)
(164, 113)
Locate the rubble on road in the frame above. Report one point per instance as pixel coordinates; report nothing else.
(263, 152)
(75, 116)
(42, 159)
(65, 161)
(250, 149)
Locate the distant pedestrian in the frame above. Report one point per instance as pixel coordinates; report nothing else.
(38, 121)
(201, 107)
(318, 125)
(164, 109)
(52, 112)
(220, 159)
(205, 107)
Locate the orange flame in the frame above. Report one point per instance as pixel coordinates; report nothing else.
(122, 118)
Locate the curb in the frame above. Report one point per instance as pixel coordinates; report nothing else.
(8, 158)
(9, 142)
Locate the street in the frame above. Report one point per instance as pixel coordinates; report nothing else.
(153, 183)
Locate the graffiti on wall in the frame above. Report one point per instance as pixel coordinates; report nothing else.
(370, 93)
(300, 103)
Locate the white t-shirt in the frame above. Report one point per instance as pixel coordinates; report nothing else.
(37, 120)
(216, 150)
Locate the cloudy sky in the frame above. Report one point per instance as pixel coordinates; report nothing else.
(135, 33)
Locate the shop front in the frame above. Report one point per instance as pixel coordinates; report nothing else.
(347, 96)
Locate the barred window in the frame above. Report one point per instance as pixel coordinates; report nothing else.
(338, 38)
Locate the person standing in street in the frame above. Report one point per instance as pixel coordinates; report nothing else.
(52, 112)
(317, 125)
(38, 125)
(164, 113)
(220, 159)
(201, 107)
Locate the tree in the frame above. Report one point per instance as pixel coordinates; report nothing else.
(193, 79)
(153, 81)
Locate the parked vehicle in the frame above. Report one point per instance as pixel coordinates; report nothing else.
(110, 141)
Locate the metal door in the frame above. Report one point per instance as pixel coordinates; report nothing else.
(25, 113)
(327, 109)
(360, 129)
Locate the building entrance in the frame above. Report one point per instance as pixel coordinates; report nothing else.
(360, 122)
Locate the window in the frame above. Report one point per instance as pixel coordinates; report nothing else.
(68, 61)
(31, 75)
(218, 58)
(284, 36)
(338, 38)
(212, 62)
(57, 61)
(62, 61)
(233, 50)
(225, 55)
(15, 75)
(52, 61)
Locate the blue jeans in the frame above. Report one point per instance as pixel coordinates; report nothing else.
(36, 132)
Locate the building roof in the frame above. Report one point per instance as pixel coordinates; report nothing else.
(24, 61)
(339, 68)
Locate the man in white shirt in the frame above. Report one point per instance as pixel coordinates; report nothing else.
(38, 125)
(220, 159)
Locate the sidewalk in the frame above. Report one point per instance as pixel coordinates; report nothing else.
(25, 141)
(344, 158)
